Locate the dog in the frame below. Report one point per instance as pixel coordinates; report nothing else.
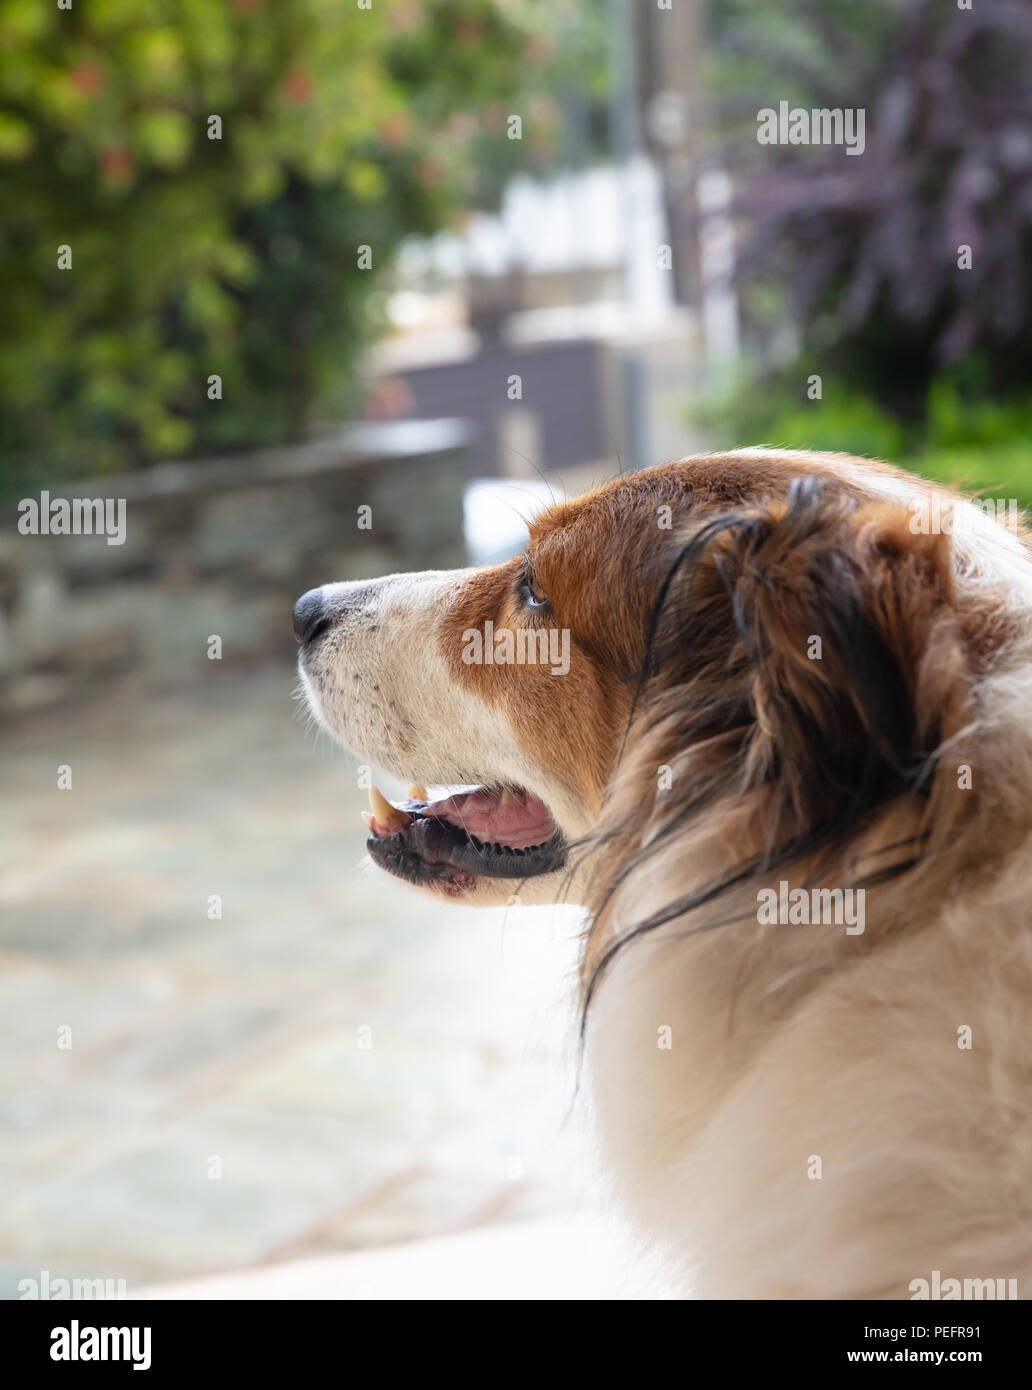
(787, 771)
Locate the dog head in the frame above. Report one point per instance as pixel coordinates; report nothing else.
(765, 630)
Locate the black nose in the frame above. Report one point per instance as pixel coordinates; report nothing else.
(309, 615)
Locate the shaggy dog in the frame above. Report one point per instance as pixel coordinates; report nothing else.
(766, 715)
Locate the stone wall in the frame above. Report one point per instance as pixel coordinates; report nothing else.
(220, 548)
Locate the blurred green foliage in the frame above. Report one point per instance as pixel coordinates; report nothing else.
(963, 437)
(776, 411)
(341, 127)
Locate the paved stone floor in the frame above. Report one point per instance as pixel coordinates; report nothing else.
(216, 1107)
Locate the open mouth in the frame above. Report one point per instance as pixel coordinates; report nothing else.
(485, 832)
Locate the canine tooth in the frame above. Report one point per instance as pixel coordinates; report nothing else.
(418, 793)
(508, 797)
(387, 815)
(367, 816)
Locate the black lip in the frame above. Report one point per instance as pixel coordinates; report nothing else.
(428, 852)
(307, 649)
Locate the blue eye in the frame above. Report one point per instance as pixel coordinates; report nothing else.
(533, 595)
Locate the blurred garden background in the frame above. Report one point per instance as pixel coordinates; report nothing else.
(266, 263)
(215, 169)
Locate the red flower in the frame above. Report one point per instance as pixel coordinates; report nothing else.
(461, 125)
(393, 130)
(405, 17)
(431, 175)
(298, 86)
(88, 79)
(117, 164)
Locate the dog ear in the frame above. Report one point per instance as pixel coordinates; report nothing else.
(823, 627)
(805, 664)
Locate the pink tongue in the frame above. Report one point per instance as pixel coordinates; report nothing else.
(519, 824)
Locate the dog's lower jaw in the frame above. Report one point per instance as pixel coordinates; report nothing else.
(480, 848)
(541, 890)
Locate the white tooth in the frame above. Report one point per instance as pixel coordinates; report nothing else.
(508, 797)
(367, 816)
(387, 815)
(418, 793)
